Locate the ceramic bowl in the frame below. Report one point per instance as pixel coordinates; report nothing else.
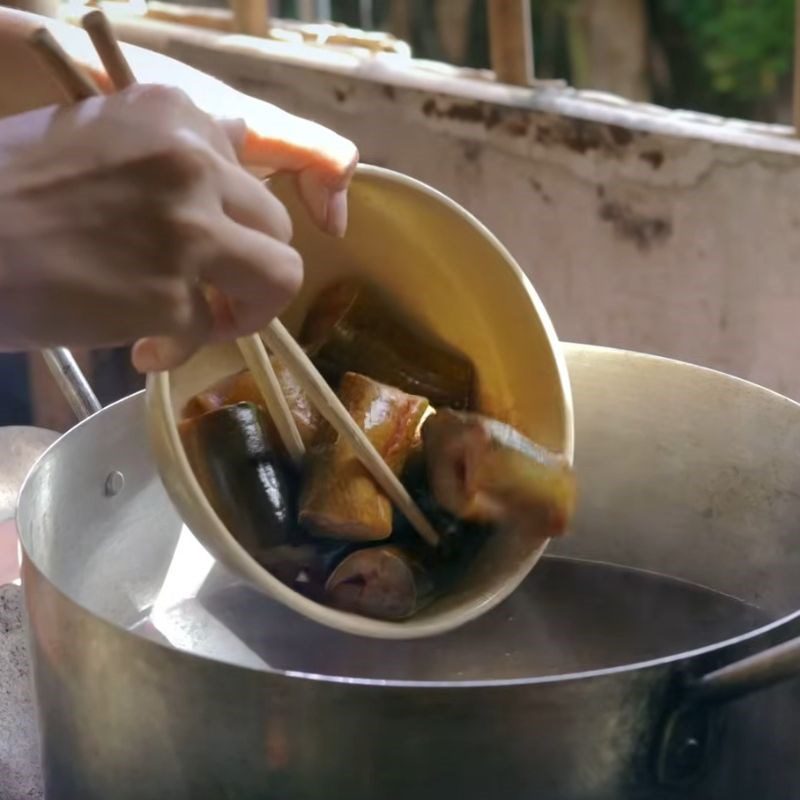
(443, 269)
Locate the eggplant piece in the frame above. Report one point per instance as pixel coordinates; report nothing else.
(340, 499)
(485, 471)
(241, 388)
(351, 328)
(242, 476)
(382, 582)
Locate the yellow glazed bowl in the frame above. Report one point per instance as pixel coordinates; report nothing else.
(445, 270)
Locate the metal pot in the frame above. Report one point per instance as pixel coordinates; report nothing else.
(158, 675)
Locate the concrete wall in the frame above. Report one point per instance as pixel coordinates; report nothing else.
(669, 233)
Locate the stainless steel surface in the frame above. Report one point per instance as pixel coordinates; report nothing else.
(71, 381)
(575, 689)
(777, 664)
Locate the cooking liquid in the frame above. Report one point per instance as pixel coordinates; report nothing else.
(569, 616)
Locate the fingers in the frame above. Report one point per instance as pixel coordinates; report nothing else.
(269, 139)
(246, 200)
(277, 140)
(193, 323)
(328, 208)
(169, 108)
(323, 161)
(250, 277)
(235, 236)
(257, 274)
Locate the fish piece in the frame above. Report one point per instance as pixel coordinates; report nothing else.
(485, 471)
(383, 582)
(339, 498)
(305, 565)
(243, 478)
(351, 328)
(242, 388)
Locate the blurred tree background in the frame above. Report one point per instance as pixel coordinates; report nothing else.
(729, 57)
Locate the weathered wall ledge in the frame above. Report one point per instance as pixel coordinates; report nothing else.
(668, 232)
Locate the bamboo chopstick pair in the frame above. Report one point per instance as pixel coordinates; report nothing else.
(79, 86)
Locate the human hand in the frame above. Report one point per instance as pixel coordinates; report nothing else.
(269, 138)
(77, 309)
(114, 215)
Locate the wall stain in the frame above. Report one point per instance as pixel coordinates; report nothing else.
(516, 127)
(539, 189)
(643, 231)
(654, 158)
(472, 150)
(580, 136)
(622, 136)
(479, 113)
(388, 91)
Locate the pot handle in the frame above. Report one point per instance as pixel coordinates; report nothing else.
(72, 382)
(681, 750)
(760, 671)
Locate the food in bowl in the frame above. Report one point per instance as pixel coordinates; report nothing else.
(326, 529)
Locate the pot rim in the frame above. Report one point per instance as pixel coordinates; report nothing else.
(660, 662)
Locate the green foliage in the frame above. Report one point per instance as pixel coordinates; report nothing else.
(745, 45)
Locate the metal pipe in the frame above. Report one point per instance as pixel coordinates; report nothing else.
(306, 10)
(72, 382)
(366, 15)
(324, 12)
(314, 10)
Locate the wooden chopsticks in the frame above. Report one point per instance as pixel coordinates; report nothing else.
(75, 83)
(79, 87)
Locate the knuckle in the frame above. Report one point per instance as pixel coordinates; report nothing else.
(186, 156)
(185, 241)
(158, 96)
(179, 163)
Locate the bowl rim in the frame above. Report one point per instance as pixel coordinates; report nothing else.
(170, 458)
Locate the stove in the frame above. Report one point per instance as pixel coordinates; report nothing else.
(20, 774)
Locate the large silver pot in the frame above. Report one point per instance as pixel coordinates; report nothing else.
(593, 682)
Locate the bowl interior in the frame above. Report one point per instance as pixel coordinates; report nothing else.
(447, 273)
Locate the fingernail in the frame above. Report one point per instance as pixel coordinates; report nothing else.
(145, 356)
(336, 213)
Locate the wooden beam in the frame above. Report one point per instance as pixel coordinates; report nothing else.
(251, 17)
(796, 87)
(511, 41)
